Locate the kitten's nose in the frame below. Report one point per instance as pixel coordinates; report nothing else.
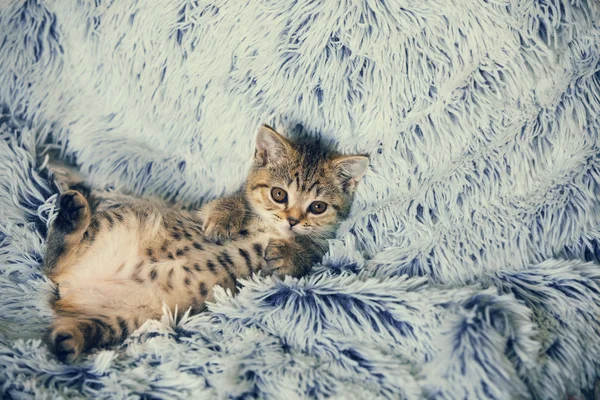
(292, 221)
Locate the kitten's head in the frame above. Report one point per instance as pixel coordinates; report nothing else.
(300, 188)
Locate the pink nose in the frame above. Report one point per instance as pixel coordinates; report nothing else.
(292, 221)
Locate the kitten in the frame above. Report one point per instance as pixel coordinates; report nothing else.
(116, 263)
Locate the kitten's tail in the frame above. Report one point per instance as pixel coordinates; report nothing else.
(72, 336)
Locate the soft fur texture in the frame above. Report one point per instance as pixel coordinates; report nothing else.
(468, 266)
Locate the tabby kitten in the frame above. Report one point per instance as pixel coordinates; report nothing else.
(116, 263)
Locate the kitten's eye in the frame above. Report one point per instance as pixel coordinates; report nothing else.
(279, 195)
(317, 207)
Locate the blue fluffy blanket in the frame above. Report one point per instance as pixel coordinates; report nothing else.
(469, 266)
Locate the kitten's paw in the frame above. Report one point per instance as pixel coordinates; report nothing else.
(74, 212)
(66, 344)
(222, 225)
(284, 257)
(279, 258)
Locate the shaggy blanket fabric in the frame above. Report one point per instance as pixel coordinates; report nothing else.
(469, 266)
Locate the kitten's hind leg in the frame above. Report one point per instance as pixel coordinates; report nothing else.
(74, 332)
(67, 340)
(74, 214)
(72, 336)
(69, 227)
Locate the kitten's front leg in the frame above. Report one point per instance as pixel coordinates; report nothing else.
(224, 218)
(291, 257)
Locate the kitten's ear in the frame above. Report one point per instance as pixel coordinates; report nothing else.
(351, 169)
(270, 146)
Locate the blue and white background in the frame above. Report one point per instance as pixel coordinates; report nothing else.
(469, 266)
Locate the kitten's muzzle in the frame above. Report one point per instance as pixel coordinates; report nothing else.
(292, 221)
